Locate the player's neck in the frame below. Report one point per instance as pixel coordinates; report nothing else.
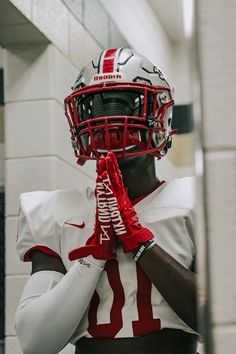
(139, 177)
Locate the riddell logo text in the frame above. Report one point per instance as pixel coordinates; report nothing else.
(107, 77)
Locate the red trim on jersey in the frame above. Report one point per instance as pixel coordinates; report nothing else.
(108, 61)
(72, 255)
(137, 200)
(146, 324)
(108, 330)
(41, 248)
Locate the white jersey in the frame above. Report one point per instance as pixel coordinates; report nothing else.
(125, 303)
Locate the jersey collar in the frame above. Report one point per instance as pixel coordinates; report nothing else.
(137, 200)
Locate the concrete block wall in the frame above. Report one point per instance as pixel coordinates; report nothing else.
(217, 48)
(94, 17)
(37, 147)
(77, 27)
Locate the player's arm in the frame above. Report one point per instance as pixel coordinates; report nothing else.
(53, 303)
(176, 284)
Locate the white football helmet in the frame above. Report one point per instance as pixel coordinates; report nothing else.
(120, 102)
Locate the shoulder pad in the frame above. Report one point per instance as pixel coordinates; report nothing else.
(179, 193)
(42, 214)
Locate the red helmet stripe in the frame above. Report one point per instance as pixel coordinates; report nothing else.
(109, 60)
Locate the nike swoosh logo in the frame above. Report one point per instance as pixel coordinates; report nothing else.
(79, 226)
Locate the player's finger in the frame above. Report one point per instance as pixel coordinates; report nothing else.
(119, 177)
(101, 165)
(113, 159)
(111, 169)
(111, 196)
(115, 175)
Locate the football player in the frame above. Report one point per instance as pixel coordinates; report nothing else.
(112, 269)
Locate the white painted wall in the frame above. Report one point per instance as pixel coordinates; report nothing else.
(142, 30)
(182, 68)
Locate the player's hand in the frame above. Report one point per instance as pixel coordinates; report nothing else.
(123, 215)
(102, 242)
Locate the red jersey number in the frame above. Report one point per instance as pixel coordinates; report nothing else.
(145, 324)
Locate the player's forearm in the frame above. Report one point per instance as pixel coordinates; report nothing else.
(48, 314)
(176, 284)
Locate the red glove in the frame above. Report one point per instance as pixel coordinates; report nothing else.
(123, 216)
(101, 244)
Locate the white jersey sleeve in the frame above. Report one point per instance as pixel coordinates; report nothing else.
(41, 219)
(52, 305)
(170, 216)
